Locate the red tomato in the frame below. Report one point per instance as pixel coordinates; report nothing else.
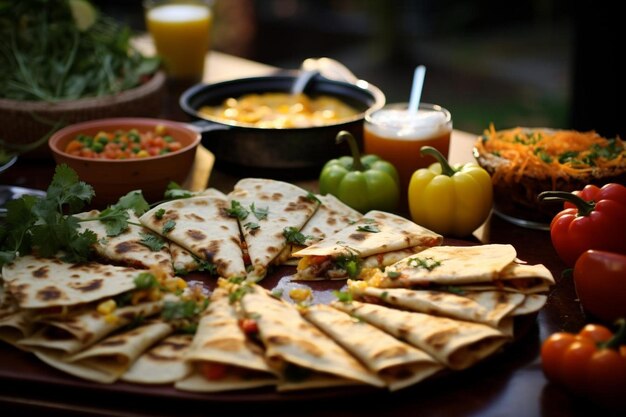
(249, 326)
(213, 371)
(600, 281)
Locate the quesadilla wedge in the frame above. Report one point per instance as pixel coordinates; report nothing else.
(109, 359)
(488, 307)
(183, 261)
(271, 214)
(331, 216)
(456, 344)
(84, 327)
(16, 326)
(480, 267)
(136, 246)
(221, 355)
(303, 355)
(39, 283)
(201, 225)
(397, 363)
(375, 241)
(161, 364)
(531, 304)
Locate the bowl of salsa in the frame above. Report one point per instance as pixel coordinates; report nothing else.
(118, 155)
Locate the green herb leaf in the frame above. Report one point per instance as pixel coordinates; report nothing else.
(344, 297)
(293, 235)
(251, 226)
(145, 281)
(239, 293)
(174, 192)
(159, 213)
(277, 293)
(393, 274)
(371, 228)
(134, 201)
(313, 198)
(152, 241)
(168, 226)
(259, 213)
(427, 263)
(186, 309)
(237, 210)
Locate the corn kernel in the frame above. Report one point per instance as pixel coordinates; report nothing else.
(300, 294)
(106, 307)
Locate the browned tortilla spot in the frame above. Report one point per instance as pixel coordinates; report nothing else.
(108, 274)
(439, 339)
(272, 249)
(113, 342)
(194, 216)
(89, 286)
(357, 236)
(41, 272)
(277, 196)
(196, 234)
(309, 348)
(49, 293)
(223, 227)
(279, 340)
(391, 352)
(403, 332)
(178, 205)
(224, 213)
(331, 221)
(124, 247)
(170, 216)
(227, 345)
(200, 202)
(75, 276)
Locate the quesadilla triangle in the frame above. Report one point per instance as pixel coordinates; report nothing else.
(16, 326)
(487, 307)
(222, 356)
(38, 283)
(201, 225)
(331, 216)
(84, 327)
(137, 246)
(303, 355)
(397, 363)
(531, 304)
(109, 359)
(480, 267)
(161, 364)
(456, 344)
(374, 241)
(271, 213)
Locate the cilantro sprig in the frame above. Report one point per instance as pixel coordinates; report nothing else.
(293, 235)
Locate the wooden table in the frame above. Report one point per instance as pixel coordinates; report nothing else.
(511, 384)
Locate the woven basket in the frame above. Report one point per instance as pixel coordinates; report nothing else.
(23, 122)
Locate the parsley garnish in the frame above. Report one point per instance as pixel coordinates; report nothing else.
(175, 192)
(236, 280)
(152, 241)
(237, 210)
(384, 295)
(293, 235)
(159, 213)
(371, 228)
(145, 281)
(206, 266)
(313, 198)
(169, 226)
(40, 223)
(344, 297)
(251, 226)
(427, 263)
(393, 274)
(175, 310)
(350, 262)
(259, 213)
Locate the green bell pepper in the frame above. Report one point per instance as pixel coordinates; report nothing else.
(364, 183)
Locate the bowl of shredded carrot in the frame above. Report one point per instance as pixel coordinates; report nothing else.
(523, 162)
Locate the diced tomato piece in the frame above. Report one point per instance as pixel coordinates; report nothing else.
(213, 371)
(249, 326)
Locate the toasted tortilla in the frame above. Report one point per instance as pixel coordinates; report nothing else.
(182, 260)
(291, 340)
(479, 268)
(219, 339)
(82, 328)
(126, 248)
(531, 304)
(287, 205)
(377, 239)
(487, 307)
(16, 326)
(49, 282)
(397, 363)
(456, 344)
(109, 359)
(202, 226)
(161, 364)
(331, 216)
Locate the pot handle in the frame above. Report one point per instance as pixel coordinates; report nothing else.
(330, 68)
(204, 126)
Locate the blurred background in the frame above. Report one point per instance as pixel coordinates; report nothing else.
(532, 63)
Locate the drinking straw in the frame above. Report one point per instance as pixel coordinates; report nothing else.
(416, 89)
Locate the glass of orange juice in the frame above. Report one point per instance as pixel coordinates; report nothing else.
(181, 31)
(396, 134)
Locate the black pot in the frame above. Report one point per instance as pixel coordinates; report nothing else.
(277, 153)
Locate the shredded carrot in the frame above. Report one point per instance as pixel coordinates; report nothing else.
(554, 154)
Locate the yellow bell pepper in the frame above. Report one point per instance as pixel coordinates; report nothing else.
(450, 200)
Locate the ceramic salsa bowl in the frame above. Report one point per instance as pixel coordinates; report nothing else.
(112, 178)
